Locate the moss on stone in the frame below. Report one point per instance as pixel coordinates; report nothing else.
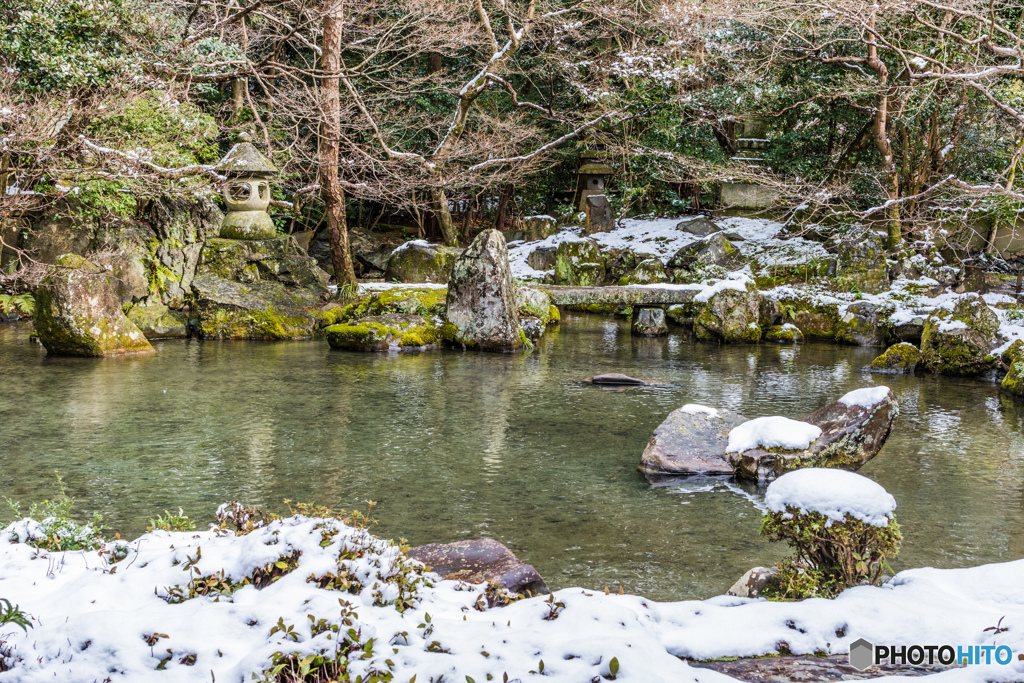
(398, 332)
(784, 334)
(898, 358)
(425, 301)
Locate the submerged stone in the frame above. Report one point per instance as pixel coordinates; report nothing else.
(481, 297)
(480, 561)
(78, 313)
(615, 379)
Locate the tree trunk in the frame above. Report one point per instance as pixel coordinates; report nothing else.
(502, 218)
(330, 134)
(444, 216)
(880, 132)
(237, 94)
(435, 62)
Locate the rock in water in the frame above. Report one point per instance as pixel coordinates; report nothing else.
(731, 317)
(481, 560)
(853, 430)
(649, 322)
(482, 298)
(691, 440)
(78, 313)
(616, 379)
(958, 343)
(898, 359)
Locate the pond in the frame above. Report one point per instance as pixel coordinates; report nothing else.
(456, 445)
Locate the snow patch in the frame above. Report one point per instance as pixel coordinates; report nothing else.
(833, 493)
(772, 432)
(697, 409)
(868, 397)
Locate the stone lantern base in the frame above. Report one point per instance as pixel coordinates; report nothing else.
(247, 225)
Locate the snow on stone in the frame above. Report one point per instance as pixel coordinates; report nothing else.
(737, 281)
(697, 409)
(865, 398)
(365, 287)
(833, 493)
(951, 325)
(772, 432)
(410, 243)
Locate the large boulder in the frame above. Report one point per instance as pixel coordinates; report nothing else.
(701, 440)
(579, 262)
(1013, 360)
(225, 309)
(647, 272)
(182, 227)
(714, 250)
(732, 315)
(280, 259)
(860, 325)
(852, 431)
(480, 561)
(958, 343)
(78, 313)
(691, 440)
(481, 299)
(389, 332)
(420, 261)
(861, 259)
(898, 359)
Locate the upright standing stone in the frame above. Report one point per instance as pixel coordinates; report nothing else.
(599, 214)
(482, 311)
(78, 313)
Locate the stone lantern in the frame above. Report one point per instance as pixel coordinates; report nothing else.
(592, 174)
(247, 194)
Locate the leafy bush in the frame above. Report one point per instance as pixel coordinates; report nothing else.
(172, 522)
(830, 556)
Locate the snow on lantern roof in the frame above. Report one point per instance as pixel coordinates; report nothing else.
(244, 158)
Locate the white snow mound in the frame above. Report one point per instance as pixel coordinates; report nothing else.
(833, 493)
(696, 409)
(866, 397)
(772, 432)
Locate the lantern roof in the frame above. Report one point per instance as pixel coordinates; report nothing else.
(244, 158)
(592, 168)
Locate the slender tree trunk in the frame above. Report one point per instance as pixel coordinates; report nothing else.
(880, 132)
(444, 216)
(330, 134)
(237, 94)
(502, 218)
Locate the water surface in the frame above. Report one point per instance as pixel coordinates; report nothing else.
(456, 445)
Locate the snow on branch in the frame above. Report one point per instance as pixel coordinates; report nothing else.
(170, 173)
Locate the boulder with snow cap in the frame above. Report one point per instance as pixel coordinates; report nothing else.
(732, 314)
(861, 258)
(691, 440)
(579, 262)
(958, 343)
(420, 261)
(647, 272)
(700, 226)
(713, 250)
(843, 435)
(480, 561)
(481, 305)
(859, 325)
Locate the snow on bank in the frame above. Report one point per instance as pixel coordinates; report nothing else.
(772, 432)
(93, 619)
(833, 493)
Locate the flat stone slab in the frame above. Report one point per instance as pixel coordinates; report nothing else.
(481, 560)
(616, 379)
(790, 669)
(690, 441)
(629, 295)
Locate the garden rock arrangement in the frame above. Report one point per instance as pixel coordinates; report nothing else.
(701, 440)
(78, 313)
(264, 310)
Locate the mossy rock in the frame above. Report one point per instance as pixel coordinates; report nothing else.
(224, 309)
(390, 332)
(683, 314)
(651, 271)
(814, 320)
(619, 310)
(898, 359)
(958, 343)
(419, 261)
(730, 317)
(159, 322)
(580, 263)
(410, 301)
(78, 313)
(784, 334)
(535, 303)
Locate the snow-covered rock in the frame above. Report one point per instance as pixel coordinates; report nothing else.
(832, 493)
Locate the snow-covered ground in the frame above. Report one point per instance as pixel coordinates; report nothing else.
(93, 620)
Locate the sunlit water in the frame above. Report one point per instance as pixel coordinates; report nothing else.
(458, 445)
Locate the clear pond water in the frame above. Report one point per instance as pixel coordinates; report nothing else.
(458, 445)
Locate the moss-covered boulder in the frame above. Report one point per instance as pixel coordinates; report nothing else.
(78, 313)
(225, 309)
(647, 272)
(784, 334)
(714, 250)
(683, 314)
(958, 343)
(861, 259)
(1013, 361)
(279, 259)
(815, 320)
(157, 321)
(420, 261)
(390, 332)
(731, 316)
(860, 325)
(481, 298)
(579, 262)
(649, 322)
(539, 228)
(536, 303)
(407, 300)
(898, 359)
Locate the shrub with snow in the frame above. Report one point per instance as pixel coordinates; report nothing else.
(841, 524)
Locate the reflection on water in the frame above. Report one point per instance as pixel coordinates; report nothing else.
(458, 445)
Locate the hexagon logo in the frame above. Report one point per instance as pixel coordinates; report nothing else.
(862, 654)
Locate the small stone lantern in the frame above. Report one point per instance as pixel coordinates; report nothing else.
(247, 194)
(592, 174)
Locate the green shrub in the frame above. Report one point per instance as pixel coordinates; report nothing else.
(172, 522)
(830, 556)
(57, 531)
